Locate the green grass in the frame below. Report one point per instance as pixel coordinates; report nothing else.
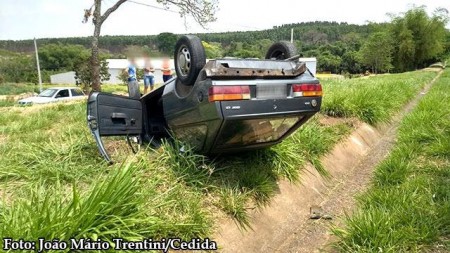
(48, 150)
(407, 209)
(49, 159)
(372, 99)
(7, 102)
(17, 88)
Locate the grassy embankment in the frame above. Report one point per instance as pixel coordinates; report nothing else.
(50, 166)
(407, 208)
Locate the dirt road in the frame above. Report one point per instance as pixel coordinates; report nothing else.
(284, 226)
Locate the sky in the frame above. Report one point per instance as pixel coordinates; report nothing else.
(27, 19)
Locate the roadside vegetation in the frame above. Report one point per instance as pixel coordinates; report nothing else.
(372, 100)
(407, 208)
(182, 188)
(165, 192)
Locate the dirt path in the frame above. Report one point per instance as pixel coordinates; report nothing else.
(284, 226)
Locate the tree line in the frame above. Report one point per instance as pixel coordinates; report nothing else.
(411, 40)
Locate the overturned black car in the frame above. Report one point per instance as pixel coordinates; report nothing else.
(225, 105)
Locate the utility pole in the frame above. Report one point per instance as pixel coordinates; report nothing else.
(292, 35)
(38, 67)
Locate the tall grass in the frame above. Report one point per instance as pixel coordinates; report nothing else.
(408, 206)
(49, 159)
(114, 206)
(372, 99)
(45, 150)
(111, 208)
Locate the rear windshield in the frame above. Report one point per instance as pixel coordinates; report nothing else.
(254, 131)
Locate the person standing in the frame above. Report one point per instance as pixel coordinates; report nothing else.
(133, 85)
(149, 76)
(167, 72)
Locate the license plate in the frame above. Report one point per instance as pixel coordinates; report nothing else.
(271, 91)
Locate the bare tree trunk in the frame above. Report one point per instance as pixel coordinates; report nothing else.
(98, 20)
(95, 62)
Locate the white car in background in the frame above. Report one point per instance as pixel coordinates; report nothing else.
(54, 95)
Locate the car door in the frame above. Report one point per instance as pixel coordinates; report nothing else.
(62, 94)
(76, 93)
(113, 115)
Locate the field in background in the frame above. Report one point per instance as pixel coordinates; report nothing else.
(50, 165)
(407, 208)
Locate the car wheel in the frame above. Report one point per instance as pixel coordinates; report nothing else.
(281, 51)
(190, 58)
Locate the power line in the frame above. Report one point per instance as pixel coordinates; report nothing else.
(152, 6)
(164, 9)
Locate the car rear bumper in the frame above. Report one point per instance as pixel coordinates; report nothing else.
(270, 107)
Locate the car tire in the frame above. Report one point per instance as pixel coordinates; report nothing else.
(281, 51)
(190, 58)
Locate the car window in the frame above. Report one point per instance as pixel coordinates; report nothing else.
(48, 93)
(246, 132)
(77, 92)
(63, 94)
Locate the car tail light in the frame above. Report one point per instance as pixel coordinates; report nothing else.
(307, 90)
(235, 92)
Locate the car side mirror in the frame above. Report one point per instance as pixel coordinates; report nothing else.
(58, 96)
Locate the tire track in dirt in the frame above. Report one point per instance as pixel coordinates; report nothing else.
(284, 226)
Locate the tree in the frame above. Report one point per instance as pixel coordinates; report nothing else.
(123, 75)
(404, 53)
(315, 37)
(352, 40)
(202, 11)
(326, 61)
(213, 50)
(350, 63)
(19, 68)
(376, 52)
(134, 51)
(83, 73)
(420, 38)
(166, 42)
(62, 57)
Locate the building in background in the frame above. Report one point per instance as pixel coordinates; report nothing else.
(311, 64)
(115, 67)
(63, 78)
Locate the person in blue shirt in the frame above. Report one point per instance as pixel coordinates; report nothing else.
(133, 85)
(131, 70)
